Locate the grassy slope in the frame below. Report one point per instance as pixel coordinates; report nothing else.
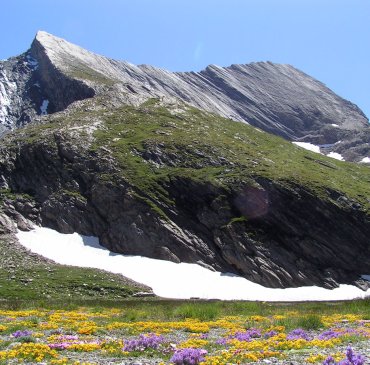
(207, 148)
(29, 277)
(219, 151)
(164, 310)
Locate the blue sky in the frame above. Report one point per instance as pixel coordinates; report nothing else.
(328, 39)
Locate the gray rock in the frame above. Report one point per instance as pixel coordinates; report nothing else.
(288, 236)
(143, 294)
(273, 97)
(6, 224)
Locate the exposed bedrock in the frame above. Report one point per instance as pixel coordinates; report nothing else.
(272, 234)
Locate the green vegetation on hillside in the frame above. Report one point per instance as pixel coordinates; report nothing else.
(29, 277)
(153, 144)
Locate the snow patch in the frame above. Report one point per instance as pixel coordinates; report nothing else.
(336, 155)
(329, 145)
(44, 107)
(168, 279)
(32, 63)
(7, 89)
(308, 146)
(335, 125)
(311, 147)
(365, 160)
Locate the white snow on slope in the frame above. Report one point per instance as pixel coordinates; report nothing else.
(336, 155)
(314, 148)
(168, 279)
(7, 88)
(44, 107)
(32, 62)
(365, 160)
(308, 146)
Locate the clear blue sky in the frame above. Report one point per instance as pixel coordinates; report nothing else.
(328, 39)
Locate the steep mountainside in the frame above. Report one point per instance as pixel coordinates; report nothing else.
(146, 160)
(276, 98)
(170, 181)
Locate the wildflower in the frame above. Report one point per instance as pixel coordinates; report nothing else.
(351, 359)
(269, 334)
(24, 333)
(248, 335)
(188, 356)
(143, 342)
(59, 346)
(221, 341)
(298, 334)
(328, 335)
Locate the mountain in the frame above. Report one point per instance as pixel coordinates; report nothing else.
(275, 98)
(145, 160)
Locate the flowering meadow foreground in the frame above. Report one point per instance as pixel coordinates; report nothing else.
(199, 335)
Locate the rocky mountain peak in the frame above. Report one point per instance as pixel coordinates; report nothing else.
(170, 180)
(276, 98)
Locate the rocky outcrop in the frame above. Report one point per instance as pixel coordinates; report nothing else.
(20, 93)
(276, 98)
(31, 86)
(278, 233)
(129, 159)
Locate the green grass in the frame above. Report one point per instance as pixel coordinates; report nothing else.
(155, 148)
(310, 321)
(204, 311)
(61, 281)
(307, 315)
(213, 150)
(201, 148)
(27, 278)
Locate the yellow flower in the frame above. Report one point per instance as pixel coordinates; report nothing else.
(316, 358)
(194, 343)
(87, 328)
(84, 347)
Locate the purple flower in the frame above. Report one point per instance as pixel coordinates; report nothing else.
(270, 334)
(59, 346)
(351, 359)
(248, 335)
(328, 335)
(298, 334)
(188, 356)
(69, 337)
(143, 342)
(24, 333)
(221, 341)
(329, 361)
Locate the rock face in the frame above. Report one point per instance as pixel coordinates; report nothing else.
(276, 98)
(167, 182)
(132, 154)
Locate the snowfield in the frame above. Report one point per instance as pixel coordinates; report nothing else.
(308, 146)
(336, 155)
(314, 148)
(168, 279)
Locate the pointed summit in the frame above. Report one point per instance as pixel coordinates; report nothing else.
(275, 98)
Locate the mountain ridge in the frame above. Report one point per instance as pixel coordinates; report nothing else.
(276, 98)
(173, 182)
(125, 156)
